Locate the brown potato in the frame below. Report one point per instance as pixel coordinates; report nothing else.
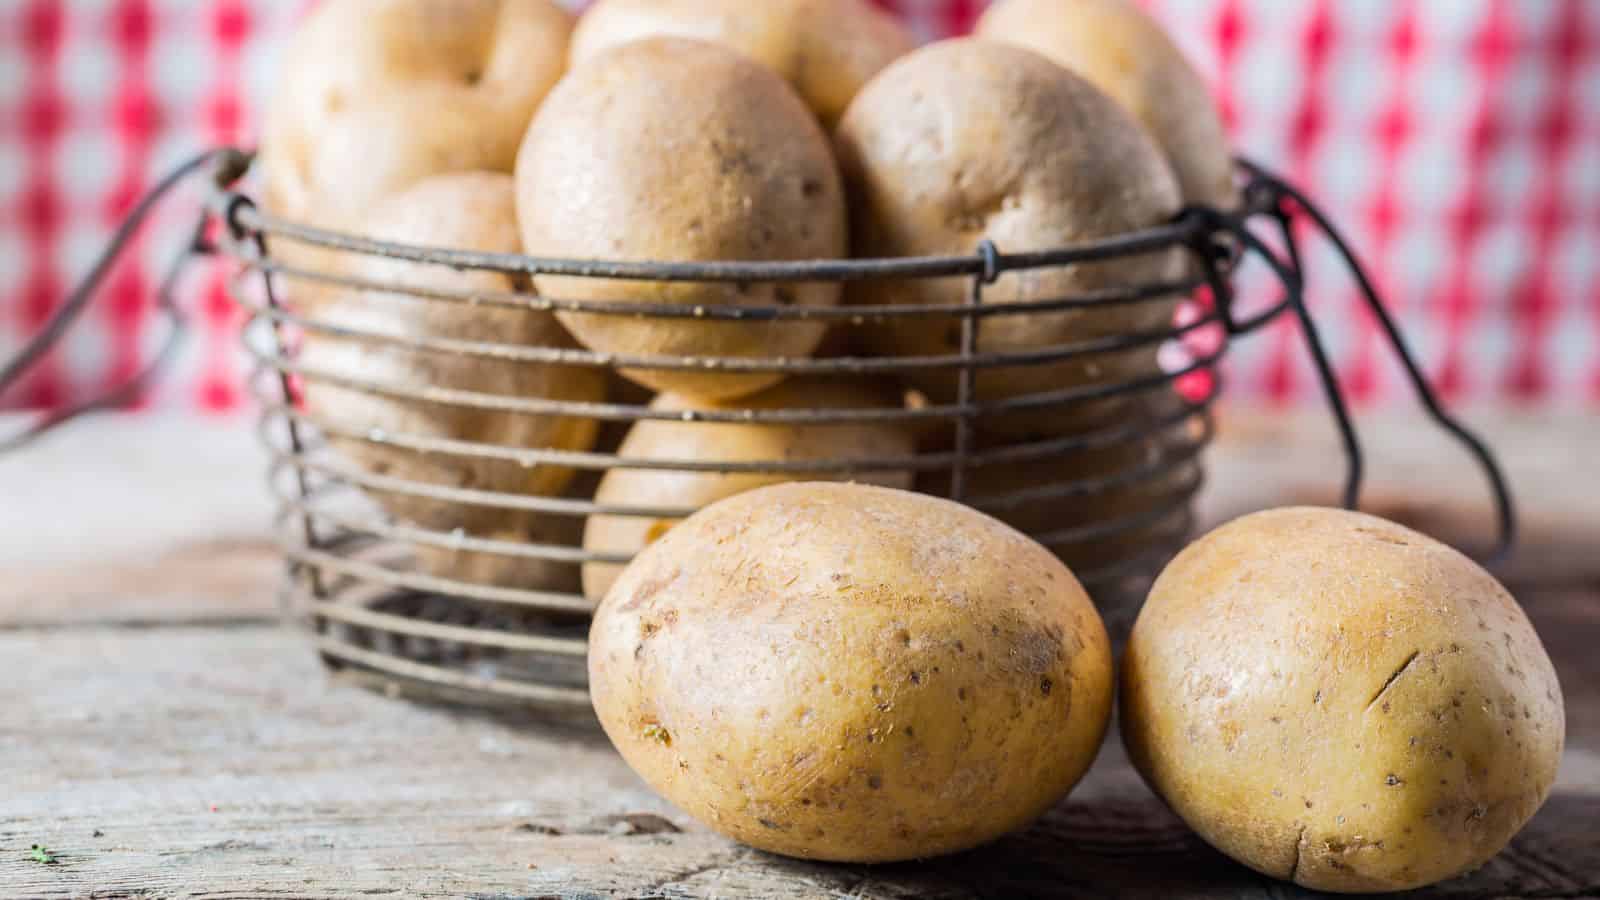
(1341, 702)
(471, 211)
(827, 49)
(968, 140)
(377, 94)
(851, 673)
(1125, 53)
(679, 150)
(659, 439)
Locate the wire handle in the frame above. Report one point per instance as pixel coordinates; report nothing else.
(1284, 202)
(223, 164)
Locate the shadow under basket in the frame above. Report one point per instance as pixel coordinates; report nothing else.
(1100, 465)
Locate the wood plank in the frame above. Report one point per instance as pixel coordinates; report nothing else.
(136, 518)
(220, 762)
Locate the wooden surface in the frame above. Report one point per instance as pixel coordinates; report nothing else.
(163, 736)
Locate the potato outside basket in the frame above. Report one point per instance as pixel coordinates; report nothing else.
(377, 620)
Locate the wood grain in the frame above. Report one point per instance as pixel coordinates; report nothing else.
(136, 519)
(219, 762)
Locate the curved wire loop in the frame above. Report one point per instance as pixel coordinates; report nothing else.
(224, 167)
(1288, 202)
(375, 613)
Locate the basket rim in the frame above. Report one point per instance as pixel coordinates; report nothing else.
(1148, 293)
(1188, 228)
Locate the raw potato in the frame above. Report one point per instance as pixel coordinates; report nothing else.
(659, 439)
(827, 49)
(851, 673)
(1341, 702)
(680, 150)
(377, 94)
(967, 140)
(1125, 53)
(470, 211)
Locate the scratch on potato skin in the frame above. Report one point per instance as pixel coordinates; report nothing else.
(1395, 676)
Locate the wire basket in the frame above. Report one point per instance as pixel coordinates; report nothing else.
(1112, 494)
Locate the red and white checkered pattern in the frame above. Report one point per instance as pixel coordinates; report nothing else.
(1458, 142)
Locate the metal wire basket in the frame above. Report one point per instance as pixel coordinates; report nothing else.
(375, 616)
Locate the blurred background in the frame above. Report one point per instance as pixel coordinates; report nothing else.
(1457, 141)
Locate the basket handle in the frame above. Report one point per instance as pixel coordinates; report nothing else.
(224, 164)
(1266, 191)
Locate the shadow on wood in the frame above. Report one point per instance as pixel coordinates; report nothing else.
(1077, 851)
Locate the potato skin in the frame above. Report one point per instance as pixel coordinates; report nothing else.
(736, 442)
(1125, 53)
(967, 140)
(851, 673)
(679, 150)
(827, 49)
(377, 94)
(471, 211)
(1336, 700)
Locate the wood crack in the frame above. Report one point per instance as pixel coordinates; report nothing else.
(676, 879)
(1394, 677)
(154, 623)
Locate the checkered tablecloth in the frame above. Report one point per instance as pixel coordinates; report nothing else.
(1457, 140)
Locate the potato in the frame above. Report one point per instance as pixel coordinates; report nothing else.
(377, 94)
(679, 150)
(968, 140)
(851, 672)
(827, 49)
(1125, 53)
(1341, 702)
(658, 439)
(470, 211)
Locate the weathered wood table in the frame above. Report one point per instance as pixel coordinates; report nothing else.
(163, 734)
